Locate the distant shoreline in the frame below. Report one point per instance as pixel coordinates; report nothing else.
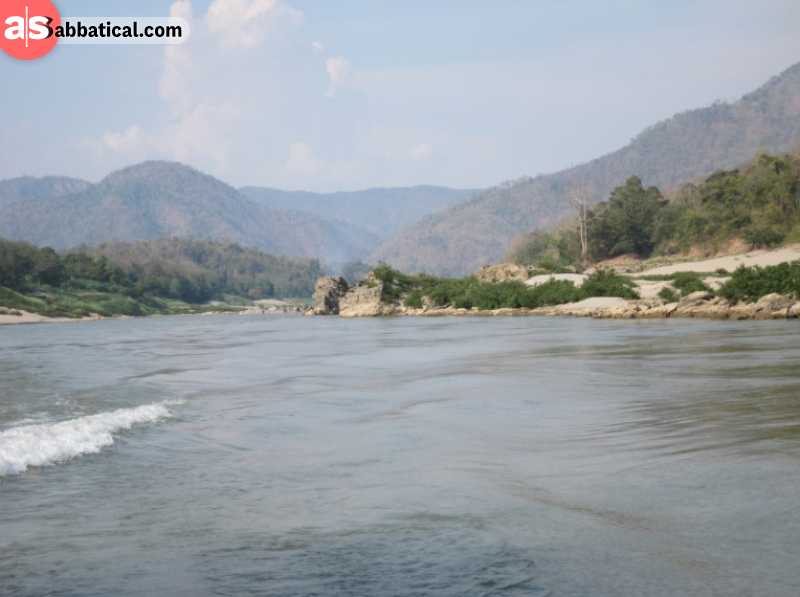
(770, 307)
(27, 318)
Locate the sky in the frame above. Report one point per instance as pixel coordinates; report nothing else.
(330, 95)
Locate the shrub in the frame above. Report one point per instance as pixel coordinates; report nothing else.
(549, 265)
(751, 283)
(668, 294)
(763, 237)
(395, 283)
(794, 234)
(606, 282)
(414, 299)
(555, 292)
(688, 282)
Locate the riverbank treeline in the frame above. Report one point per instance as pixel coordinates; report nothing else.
(758, 204)
(140, 278)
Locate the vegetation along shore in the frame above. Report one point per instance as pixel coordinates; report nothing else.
(132, 279)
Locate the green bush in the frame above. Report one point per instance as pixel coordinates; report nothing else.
(793, 236)
(606, 282)
(763, 237)
(688, 282)
(414, 299)
(550, 265)
(556, 292)
(668, 294)
(751, 283)
(395, 283)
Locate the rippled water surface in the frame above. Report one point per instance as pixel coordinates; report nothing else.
(294, 456)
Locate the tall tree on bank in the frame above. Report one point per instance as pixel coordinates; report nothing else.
(579, 197)
(625, 224)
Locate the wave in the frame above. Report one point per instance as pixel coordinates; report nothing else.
(50, 443)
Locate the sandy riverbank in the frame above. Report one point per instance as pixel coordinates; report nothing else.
(698, 305)
(730, 263)
(16, 317)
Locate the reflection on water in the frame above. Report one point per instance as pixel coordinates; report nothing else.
(316, 456)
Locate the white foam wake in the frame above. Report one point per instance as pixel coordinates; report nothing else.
(49, 443)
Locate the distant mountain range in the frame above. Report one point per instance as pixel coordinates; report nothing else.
(462, 238)
(380, 211)
(46, 187)
(433, 229)
(156, 200)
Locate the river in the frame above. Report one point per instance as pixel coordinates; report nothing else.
(291, 456)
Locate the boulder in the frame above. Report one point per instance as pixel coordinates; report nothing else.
(794, 311)
(774, 302)
(502, 272)
(365, 300)
(695, 298)
(328, 293)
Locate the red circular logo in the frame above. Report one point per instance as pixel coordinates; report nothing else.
(28, 28)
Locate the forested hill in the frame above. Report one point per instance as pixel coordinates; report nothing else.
(691, 144)
(155, 200)
(754, 206)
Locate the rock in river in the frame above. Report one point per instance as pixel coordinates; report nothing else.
(327, 294)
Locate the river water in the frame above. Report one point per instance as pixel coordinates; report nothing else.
(293, 456)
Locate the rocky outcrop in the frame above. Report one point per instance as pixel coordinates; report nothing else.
(502, 272)
(328, 293)
(774, 303)
(365, 300)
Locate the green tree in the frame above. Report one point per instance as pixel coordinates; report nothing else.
(626, 223)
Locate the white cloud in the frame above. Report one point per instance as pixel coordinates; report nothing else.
(174, 84)
(199, 135)
(302, 160)
(318, 47)
(339, 71)
(246, 23)
(130, 141)
(420, 152)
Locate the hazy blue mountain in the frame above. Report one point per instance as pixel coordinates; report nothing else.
(156, 200)
(382, 211)
(695, 143)
(46, 187)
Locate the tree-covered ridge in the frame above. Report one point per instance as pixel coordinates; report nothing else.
(758, 204)
(130, 278)
(154, 200)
